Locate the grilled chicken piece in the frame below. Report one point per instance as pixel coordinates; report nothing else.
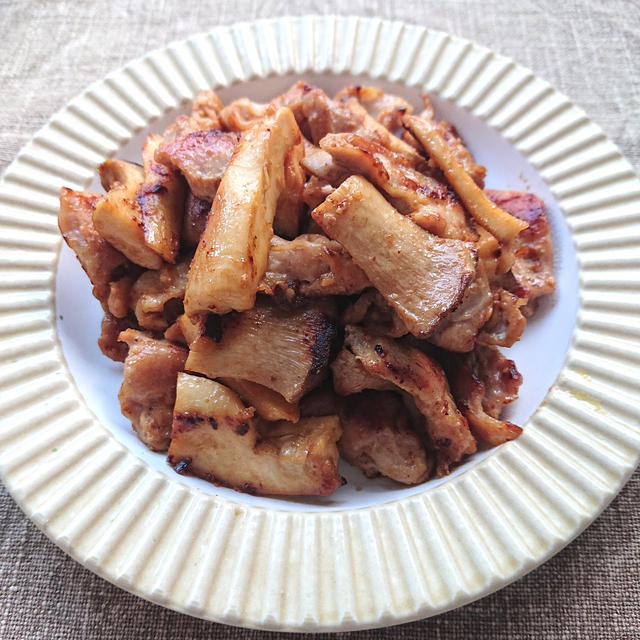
(385, 108)
(376, 438)
(268, 404)
(284, 350)
(430, 203)
(506, 323)
(349, 376)
(242, 114)
(154, 289)
(325, 116)
(148, 390)
(196, 212)
(118, 216)
(109, 338)
(215, 437)
(205, 108)
(231, 259)
(100, 261)
(393, 251)
(202, 157)
(311, 265)
(119, 301)
(322, 401)
(320, 163)
(161, 200)
(315, 191)
(421, 376)
(500, 223)
(205, 114)
(483, 382)
(459, 329)
(372, 312)
(532, 248)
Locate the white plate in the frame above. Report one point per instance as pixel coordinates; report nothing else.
(373, 554)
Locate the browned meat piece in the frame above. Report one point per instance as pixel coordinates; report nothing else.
(195, 220)
(320, 163)
(483, 382)
(101, 262)
(349, 376)
(215, 437)
(110, 331)
(322, 401)
(311, 265)
(240, 114)
(372, 312)
(327, 116)
(421, 376)
(293, 98)
(205, 114)
(458, 329)
(422, 277)
(430, 203)
(316, 191)
(205, 108)
(148, 389)
(506, 323)
(202, 157)
(532, 248)
(119, 301)
(376, 438)
(154, 289)
(386, 108)
(284, 350)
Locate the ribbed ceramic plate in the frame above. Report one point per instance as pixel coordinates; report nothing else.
(373, 554)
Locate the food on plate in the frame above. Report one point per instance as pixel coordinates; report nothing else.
(311, 277)
(231, 258)
(215, 436)
(393, 251)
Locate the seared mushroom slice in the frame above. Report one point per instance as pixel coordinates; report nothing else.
(284, 350)
(421, 276)
(118, 217)
(268, 404)
(231, 258)
(161, 199)
(215, 437)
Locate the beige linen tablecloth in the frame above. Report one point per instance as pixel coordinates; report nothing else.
(588, 50)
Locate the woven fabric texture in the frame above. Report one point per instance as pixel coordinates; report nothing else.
(53, 49)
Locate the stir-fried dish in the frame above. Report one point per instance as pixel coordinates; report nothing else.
(294, 281)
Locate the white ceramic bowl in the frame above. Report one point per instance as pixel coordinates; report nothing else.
(372, 554)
